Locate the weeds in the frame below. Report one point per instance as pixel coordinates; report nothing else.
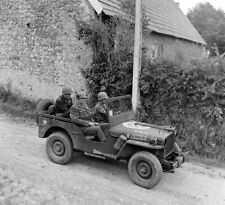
(15, 104)
(189, 96)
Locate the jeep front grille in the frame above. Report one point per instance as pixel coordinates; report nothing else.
(169, 144)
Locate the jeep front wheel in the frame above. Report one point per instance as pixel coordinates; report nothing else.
(59, 148)
(145, 169)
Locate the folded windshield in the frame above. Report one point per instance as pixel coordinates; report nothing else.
(119, 106)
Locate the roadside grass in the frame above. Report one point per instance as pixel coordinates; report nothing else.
(16, 105)
(205, 161)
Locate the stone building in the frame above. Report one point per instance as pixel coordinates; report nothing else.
(171, 35)
(40, 50)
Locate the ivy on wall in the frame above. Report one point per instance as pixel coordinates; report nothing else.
(190, 96)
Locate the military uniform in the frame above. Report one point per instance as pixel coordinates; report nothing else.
(101, 109)
(101, 112)
(61, 107)
(82, 115)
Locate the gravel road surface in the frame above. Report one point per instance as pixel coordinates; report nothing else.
(28, 177)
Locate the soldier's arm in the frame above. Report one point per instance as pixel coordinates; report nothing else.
(63, 114)
(102, 112)
(99, 110)
(74, 115)
(59, 106)
(70, 103)
(58, 102)
(80, 122)
(61, 109)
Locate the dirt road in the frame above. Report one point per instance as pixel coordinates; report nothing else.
(28, 177)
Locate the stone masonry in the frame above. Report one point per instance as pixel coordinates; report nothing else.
(39, 48)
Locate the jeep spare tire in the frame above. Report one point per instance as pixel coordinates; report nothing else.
(59, 148)
(145, 169)
(43, 105)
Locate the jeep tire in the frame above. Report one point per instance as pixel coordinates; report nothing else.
(145, 169)
(43, 105)
(59, 148)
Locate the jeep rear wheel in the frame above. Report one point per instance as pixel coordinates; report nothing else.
(59, 148)
(145, 169)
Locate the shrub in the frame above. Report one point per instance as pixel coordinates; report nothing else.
(15, 104)
(190, 96)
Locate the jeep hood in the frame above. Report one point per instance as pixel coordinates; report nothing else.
(140, 131)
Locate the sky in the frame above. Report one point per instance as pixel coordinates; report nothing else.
(185, 5)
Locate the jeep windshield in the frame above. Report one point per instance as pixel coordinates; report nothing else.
(120, 105)
(120, 110)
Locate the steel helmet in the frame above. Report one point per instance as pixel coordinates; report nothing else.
(67, 90)
(102, 96)
(81, 95)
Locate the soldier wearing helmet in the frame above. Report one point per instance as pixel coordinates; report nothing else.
(62, 104)
(100, 109)
(83, 116)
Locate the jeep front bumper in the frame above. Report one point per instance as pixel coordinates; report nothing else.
(169, 165)
(178, 161)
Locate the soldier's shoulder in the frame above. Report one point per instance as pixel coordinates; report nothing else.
(75, 106)
(60, 98)
(97, 106)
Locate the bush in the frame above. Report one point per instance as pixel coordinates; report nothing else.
(109, 58)
(190, 96)
(15, 104)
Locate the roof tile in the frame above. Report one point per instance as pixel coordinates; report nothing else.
(164, 16)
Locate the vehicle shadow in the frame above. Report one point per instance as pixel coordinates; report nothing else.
(98, 166)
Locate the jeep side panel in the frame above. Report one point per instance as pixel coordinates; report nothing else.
(95, 147)
(132, 146)
(49, 124)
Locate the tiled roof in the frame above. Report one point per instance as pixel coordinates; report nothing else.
(111, 7)
(164, 16)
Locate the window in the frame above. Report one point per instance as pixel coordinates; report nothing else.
(156, 51)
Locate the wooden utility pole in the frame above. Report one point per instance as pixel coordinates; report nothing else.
(137, 53)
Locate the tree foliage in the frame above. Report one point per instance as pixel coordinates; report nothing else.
(112, 59)
(210, 23)
(190, 97)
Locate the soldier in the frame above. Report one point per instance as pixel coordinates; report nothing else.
(62, 104)
(82, 115)
(100, 109)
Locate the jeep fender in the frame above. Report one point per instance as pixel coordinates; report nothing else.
(132, 146)
(144, 144)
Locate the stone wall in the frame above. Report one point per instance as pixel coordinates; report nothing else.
(39, 48)
(162, 47)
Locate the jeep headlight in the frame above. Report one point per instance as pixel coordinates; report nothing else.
(152, 141)
(161, 142)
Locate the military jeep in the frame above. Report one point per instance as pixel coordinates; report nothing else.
(148, 149)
